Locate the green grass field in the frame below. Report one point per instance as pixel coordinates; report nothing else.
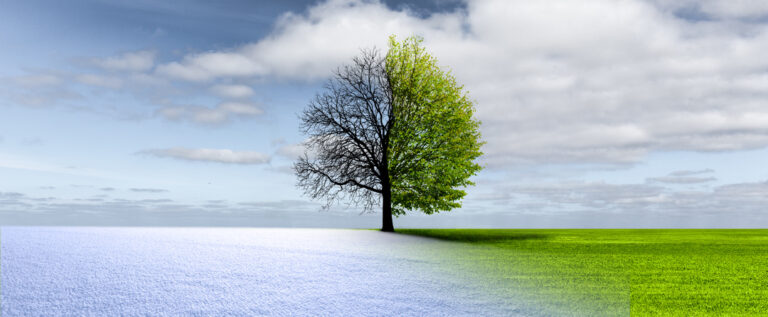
(618, 272)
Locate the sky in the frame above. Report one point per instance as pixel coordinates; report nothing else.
(596, 113)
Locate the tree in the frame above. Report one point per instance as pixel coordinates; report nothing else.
(393, 129)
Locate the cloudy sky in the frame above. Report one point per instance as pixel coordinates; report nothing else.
(596, 113)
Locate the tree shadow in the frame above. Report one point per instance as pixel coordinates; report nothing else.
(475, 235)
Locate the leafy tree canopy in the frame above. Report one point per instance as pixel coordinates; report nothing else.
(434, 139)
(393, 130)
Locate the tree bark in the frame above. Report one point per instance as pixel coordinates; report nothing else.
(386, 209)
(386, 190)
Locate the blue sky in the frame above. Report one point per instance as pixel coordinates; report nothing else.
(596, 113)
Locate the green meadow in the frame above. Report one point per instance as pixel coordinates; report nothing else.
(619, 272)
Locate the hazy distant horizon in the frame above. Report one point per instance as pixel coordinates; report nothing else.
(373, 221)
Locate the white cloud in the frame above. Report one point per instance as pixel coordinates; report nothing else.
(305, 47)
(222, 113)
(240, 108)
(37, 89)
(719, 9)
(131, 61)
(291, 151)
(148, 190)
(233, 91)
(735, 8)
(38, 80)
(633, 199)
(208, 65)
(100, 80)
(593, 81)
(682, 179)
(691, 173)
(211, 155)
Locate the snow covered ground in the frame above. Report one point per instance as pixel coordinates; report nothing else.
(51, 271)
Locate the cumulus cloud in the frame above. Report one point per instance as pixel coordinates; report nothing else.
(100, 80)
(685, 177)
(131, 61)
(735, 8)
(35, 80)
(223, 112)
(633, 77)
(717, 9)
(640, 79)
(304, 47)
(291, 151)
(232, 91)
(37, 89)
(211, 155)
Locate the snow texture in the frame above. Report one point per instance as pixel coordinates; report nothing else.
(52, 271)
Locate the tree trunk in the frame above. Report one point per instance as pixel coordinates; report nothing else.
(386, 209)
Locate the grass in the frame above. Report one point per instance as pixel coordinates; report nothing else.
(618, 272)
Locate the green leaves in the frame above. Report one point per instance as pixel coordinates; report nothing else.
(434, 139)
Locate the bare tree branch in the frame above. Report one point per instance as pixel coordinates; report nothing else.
(348, 125)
